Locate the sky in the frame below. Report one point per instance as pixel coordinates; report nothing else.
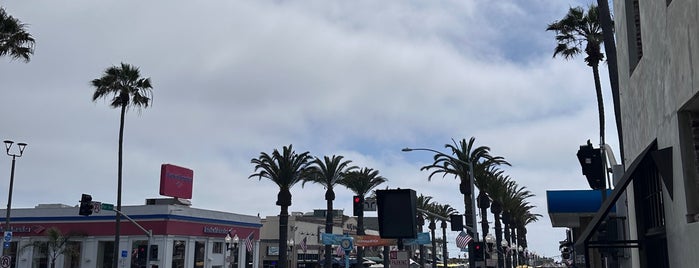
(231, 79)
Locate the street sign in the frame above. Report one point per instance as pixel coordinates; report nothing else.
(370, 204)
(107, 206)
(96, 207)
(124, 253)
(5, 261)
(8, 236)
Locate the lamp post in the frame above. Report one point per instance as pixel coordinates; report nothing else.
(8, 145)
(490, 241)
(505, 260)
(234, 249)
(290, 243)
(472, 183)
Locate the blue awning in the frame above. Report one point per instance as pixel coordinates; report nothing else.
(566, 207)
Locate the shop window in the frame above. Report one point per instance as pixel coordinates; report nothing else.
(217, 248)
(199, 254)
(689, 149)
(72, 254)
(105, 254)
(40, 255)
(178, 253)
(633, 33)
(139, 254)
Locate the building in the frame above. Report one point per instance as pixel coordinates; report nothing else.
(182, 236)
(657, 48)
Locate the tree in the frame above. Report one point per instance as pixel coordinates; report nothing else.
(578, 29)
(15, 41)
(422, 203)
(126, 88)
(362, 182)
(56, 245)
(497, 190)
(458, 165)
(444, 211)
(285, 169)
(328, 172)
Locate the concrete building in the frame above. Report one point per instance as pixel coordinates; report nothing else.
(657, 46)
(182, 237)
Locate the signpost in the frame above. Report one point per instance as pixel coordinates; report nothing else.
(399, 259)
(5, 261)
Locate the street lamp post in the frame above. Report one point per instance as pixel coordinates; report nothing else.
(474, 220)
(234, 249)
(8, 145)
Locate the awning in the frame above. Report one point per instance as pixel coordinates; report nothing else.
(607, 205)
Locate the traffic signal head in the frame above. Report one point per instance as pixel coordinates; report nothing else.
(592, 165)
(357, 205)
(85, 205)
(478, 251)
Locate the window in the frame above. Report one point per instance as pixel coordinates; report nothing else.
(139, 253)
(40, 255)
(72, 254)
(217, 248)
(689, 149)
(105, 253)
(199, 254)
(178, 253)
(633, 32)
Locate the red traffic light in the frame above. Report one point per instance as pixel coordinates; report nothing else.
(477, 247)
(356, 199)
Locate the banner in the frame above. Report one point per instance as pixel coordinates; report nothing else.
(372, 241)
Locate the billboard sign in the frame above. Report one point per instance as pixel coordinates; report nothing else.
(176, 181)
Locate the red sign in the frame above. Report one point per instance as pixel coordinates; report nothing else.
(176, 181)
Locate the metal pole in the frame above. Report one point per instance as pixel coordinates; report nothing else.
(9, 204)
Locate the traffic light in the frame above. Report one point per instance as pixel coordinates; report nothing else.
(358, 204)
(141, 255)
(566, 249)
(457, 222)
(85, 205)
(478, 251)
(592, 165)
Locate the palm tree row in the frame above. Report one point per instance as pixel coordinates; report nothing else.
(288, 168)
(506, 199)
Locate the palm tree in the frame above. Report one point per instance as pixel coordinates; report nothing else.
(497, 190)
(432, 208)
(15, 41)
(328, 172)
(284, 169)
(578, 28)
(459, 166)
(57, 244)
(362, 182)
(422, 203)
(444, 211)
(124, 85)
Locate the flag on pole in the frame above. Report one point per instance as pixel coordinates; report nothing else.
(248, 241)
(303, 245)
(463, 239)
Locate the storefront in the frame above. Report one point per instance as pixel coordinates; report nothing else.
(182, 237)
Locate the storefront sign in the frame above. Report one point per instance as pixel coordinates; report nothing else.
(176, 181)
(216, 230)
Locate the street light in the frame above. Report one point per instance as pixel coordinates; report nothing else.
(290, 243)
(8, 145)
(233, 249)
(474, 220)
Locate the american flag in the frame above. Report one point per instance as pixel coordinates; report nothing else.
(463, 239)
(303, 244)
(248, 241)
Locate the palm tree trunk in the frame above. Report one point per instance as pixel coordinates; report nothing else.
(484, 204)
(329, 197)
(445, 255)
(117, 228)
(498, 240)
(434, 243)
(600, 102)
(283, 235)
(360, 231)
(421, 247)
(506, 229)
(386, 259)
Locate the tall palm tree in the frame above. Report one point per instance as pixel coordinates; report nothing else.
(432, 208)
(285, 169)
(497, 190)
(126, 88)
(15, 41)
(362, 182)
(444, 211)
(458, 165)
(423, 203)
(328, 172)
(575, 30)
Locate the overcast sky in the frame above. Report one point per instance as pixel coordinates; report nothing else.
(231, 79)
